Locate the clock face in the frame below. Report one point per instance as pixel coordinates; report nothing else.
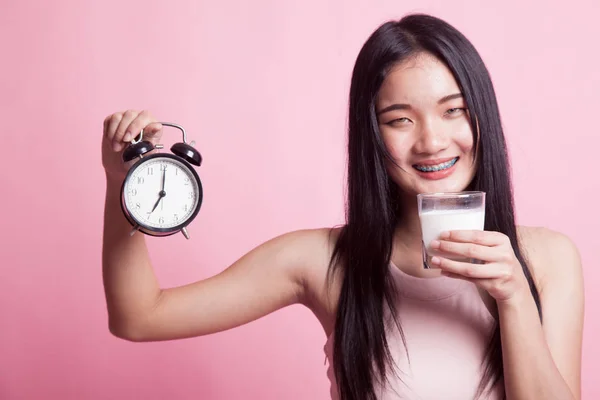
(162, 193)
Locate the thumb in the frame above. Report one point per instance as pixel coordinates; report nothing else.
(153, 132)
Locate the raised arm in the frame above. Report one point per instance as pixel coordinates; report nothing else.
(269, 277)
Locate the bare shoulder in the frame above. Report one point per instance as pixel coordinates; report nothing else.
(310, 251)
(555, 265)
(320, 289)
(552, 256)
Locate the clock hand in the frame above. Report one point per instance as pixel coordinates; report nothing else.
(160, 196)
(162, 192)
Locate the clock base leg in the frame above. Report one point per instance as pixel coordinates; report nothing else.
(134, 230)
(185, 233)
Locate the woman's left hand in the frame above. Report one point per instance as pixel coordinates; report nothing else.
(500, 272)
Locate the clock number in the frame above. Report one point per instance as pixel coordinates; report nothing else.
(185, 207)
(138, 206)
(163, 167)
(190, 195)
(140, 180)
(161, 220)
(186, 181)
(150, 170)
(176, 217)
(134, 192)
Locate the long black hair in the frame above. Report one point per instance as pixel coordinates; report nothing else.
(361, 356)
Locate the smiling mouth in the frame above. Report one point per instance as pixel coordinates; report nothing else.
(436, 167)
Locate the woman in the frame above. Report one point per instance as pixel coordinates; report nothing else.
(421, 100)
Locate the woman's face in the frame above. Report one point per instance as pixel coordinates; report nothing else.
(425, 126)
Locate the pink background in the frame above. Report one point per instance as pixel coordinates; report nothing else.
(262, 87)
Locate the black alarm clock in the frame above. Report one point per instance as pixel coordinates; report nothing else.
(162, 193)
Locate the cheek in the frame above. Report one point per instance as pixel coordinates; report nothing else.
(397, 149)
(464, 140)
(396, 146)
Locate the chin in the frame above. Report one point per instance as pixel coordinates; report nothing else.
(448, 189)
(450, 184)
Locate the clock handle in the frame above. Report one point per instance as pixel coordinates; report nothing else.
(140, 136)
(184, 149)
(178, 127)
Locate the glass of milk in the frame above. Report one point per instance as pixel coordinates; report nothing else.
(440, 212)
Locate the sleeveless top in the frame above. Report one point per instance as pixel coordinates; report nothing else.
(447, 328)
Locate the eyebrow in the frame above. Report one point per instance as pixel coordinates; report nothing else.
(450, 97)
(408, 107)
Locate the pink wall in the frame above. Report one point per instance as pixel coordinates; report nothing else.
(262, 88)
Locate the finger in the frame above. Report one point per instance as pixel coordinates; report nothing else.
(144, 121)
(113, 123)
(484, 238)
(105, 127)
(468, 250)
(470, 270)
(153, 132)
(123, 129)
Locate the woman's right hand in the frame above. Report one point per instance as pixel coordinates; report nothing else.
(119, 129)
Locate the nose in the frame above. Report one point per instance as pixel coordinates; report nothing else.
(431, 139)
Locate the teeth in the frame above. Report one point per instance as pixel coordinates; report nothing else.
(438, 167)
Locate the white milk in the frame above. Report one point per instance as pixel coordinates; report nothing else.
(437, 221)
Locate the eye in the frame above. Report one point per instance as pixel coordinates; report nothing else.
(399, 121)
(455, 111)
